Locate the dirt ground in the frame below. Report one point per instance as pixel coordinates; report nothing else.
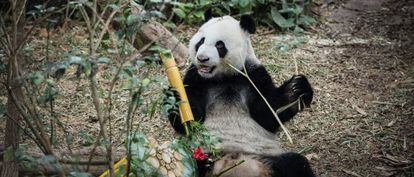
(360, 60)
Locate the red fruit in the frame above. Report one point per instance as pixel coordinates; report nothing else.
(199, 155)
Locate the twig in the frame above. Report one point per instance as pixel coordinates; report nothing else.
(35, 23)
(296, 65)
(105, 27)
(229, 168)
(351, 173)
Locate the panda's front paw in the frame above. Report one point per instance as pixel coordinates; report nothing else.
(299, 87)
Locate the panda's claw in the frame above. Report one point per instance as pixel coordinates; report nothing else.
(299, 87)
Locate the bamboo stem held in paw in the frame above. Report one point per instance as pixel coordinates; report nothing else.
(176, 82)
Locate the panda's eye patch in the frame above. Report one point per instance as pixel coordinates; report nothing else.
(199, 43)
(219, 44)
(221, 48)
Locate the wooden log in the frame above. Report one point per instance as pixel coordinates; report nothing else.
(156, 32)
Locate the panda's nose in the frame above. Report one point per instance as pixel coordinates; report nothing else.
(202, 58)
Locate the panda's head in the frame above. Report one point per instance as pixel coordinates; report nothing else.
(222, 41)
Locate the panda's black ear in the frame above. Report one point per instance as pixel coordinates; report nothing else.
(247, 23)
(208, 14)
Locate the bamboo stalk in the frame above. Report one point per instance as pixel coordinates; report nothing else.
(177, 83)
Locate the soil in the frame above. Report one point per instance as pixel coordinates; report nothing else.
(361, 62)
(359, 59)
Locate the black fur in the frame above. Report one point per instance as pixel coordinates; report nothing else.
(277, 97)
(196, 93)
(290, 165)
(197, 88)
(208, 14)
(247, 23)
(199, 43)
(221, 48)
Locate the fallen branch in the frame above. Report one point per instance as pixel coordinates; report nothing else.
(154, 31)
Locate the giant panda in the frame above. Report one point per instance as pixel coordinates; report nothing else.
(232, 110)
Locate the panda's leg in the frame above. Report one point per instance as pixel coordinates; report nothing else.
(290, 165)
(284, 165)
(241, 165)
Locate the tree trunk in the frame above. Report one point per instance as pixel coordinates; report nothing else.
(12, 138)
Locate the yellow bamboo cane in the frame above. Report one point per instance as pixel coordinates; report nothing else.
(121, 162)
(176, 82)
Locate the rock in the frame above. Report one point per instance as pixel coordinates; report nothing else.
(159, 156)
(166, 158)
(165, 145)
(163, 171)
(154, 162)
(171, 174)
(152, 152)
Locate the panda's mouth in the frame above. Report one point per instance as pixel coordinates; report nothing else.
(206, 69)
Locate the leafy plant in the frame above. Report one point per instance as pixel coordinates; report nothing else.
(285, 14)
(138, 149)
(292, 15)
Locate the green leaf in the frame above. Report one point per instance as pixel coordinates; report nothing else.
(280, 20)
(87, 67)
(180, 13)
(37, 78)
(298, 30)
(145, 82)
(167, 54)
(298, 9)
(86, 139)
(79, 174)
(169, 25)
(75, 60)
(306, 20)
(244, 3)
(287, 10)
(103, 60)
(39, 7)
(199, 14)
(133, 19)
(158, 14)
(114, 6)
(138, 146)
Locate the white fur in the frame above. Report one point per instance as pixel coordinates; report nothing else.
(237, 41)
(229, 120)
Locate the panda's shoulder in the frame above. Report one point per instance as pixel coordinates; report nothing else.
(256, 71)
